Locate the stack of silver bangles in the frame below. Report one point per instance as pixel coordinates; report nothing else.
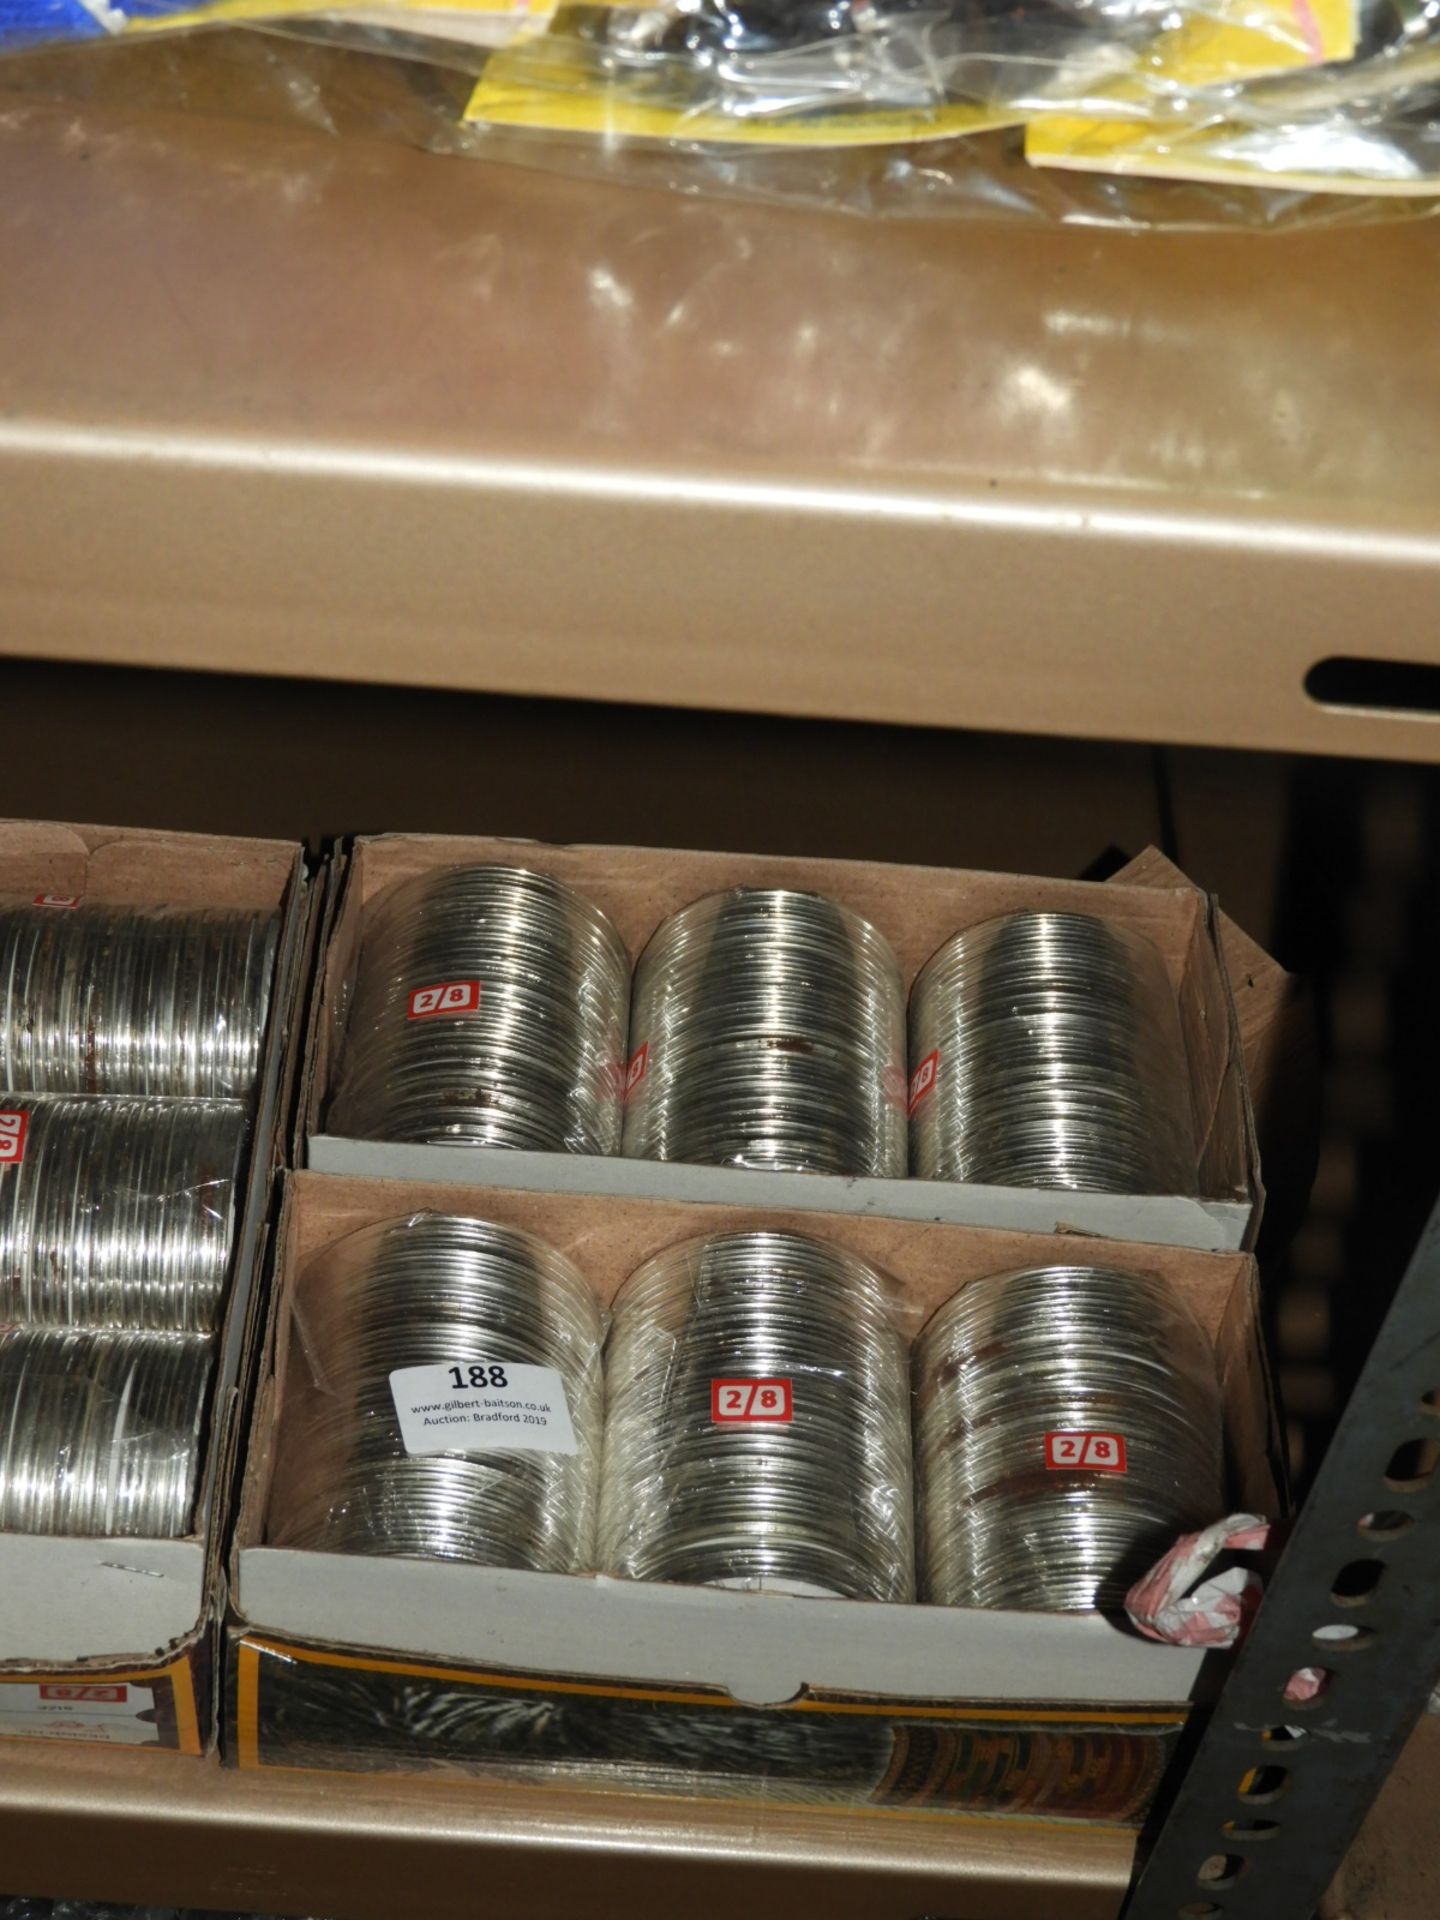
(768, 1031)
(489, 1008)
(438, 1291)
(758, 1422)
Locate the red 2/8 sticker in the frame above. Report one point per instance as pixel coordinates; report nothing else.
(635, 1072)
(923, 1078)
(1102, 1452)
(13, 1128)
(57, 900)
(452, 996)
(751, 1403)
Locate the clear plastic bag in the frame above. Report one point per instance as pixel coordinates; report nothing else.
(288, 79)
(1067, 1426)
(850, 72)
(1309, 97)
(119, 1213)
(1368, 125)
(102, 1433)
(137, 1000)
(757, 1425)
(489, 1008)
(1046, 1051)
(445, 1400)
(768, 1030)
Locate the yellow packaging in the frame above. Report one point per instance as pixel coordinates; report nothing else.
(550, 85)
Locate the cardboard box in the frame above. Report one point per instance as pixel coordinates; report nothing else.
(1276, 1017)
(362, 1661)
(917, 908)
(114, 1639)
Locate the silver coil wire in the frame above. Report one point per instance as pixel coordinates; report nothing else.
(820, 1503)
(100, 1432)
(435, 1290)
(1046, 1051)
(768, 1030)
(534, 1057)
(134, 1000)
(122, 1213)
(1011, 1375)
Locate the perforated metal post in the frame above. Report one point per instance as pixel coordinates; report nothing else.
(1278, 1788)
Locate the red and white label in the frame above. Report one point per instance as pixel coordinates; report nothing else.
(450, 997)
(57, 899)
(13, 1128)
(751, 1403)
(923, 1078)
(1098, 1452)
(110, 1712)
(635, 1072)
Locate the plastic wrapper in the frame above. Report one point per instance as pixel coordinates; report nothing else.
(758, 1422)
(446, 1401)
(421, 102)
(1301, 96)
(133, 1000)
(768, 1030)
(387, 1717)
(101, 1433)
(1068, 1425)
(1169, 1605)
(1046, 1051)
(489, 1008)
(1367, 125)
(118, 1213)
(847, 72)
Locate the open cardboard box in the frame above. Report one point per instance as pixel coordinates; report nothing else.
(113, 1639)
(917, 908)
(610, 1637)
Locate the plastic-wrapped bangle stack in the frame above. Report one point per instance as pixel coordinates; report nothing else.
(1068, 1427)
(768, 1031)
(100, 1432)
(757, 1422)
(433, 1290)
(136, 1000)
(121, 1213)
(1046, 1051)
(489, 1008)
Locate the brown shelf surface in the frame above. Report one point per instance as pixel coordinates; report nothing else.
(98, 1824)
(277, 402)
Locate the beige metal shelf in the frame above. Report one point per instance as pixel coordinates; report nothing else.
(275, 402)
(98, 1824)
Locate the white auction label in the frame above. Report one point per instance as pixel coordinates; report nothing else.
(482, 1406)
(114, 1713)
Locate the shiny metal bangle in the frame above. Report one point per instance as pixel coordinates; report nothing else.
(489, 1008)
(768, 1030)
(814, 1500)
(1068, 1427)
(435, 1290)
(134, 1000)
(1046, 1050)
(101, 1432)
(122, 1213)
